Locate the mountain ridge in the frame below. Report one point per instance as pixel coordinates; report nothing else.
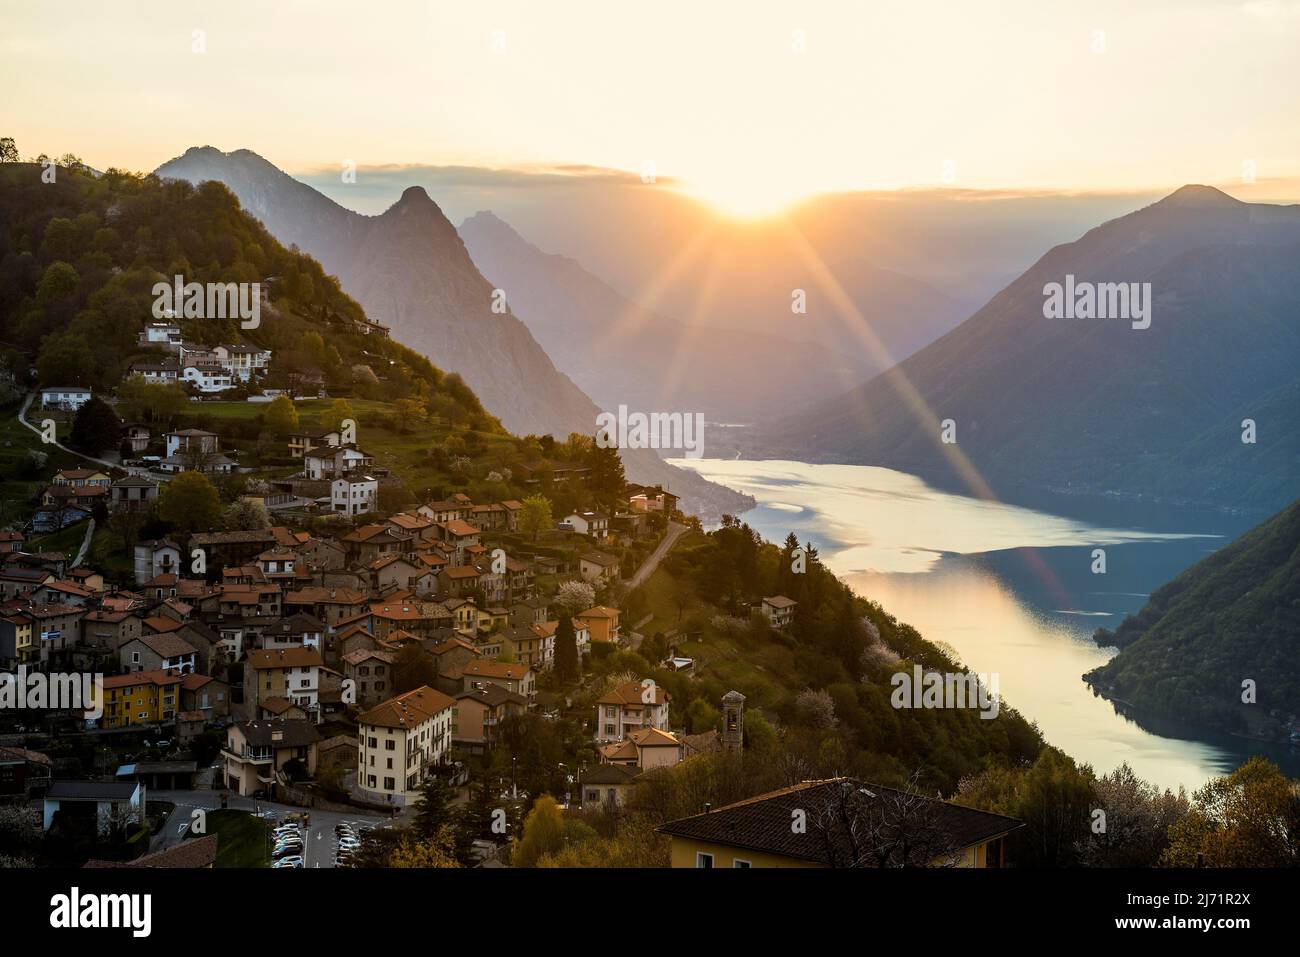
(1075, 404)
(410, 271)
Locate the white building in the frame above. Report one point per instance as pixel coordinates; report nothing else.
(166, 334)
(354, 494)
(242, 361)
(779, 610)
(207, 377)
(589, 523)
(400, 741)
(69, 398)
(630, 707)
(329, 461)
(197, 440)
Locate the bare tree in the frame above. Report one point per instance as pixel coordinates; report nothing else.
(858, 825)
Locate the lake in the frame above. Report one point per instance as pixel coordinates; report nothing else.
(1010, 589)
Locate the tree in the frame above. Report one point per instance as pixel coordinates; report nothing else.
(1251, 818)
(543, 833)
(574, 596)
(8, 150)
(334, 416)
(436, 852)
(190, 503)
(858, 825)
(702, 716)
(95, 427)
(243, 515)
(535, 516)
(1137, 821)
(409, 413)
(141, 400)
(566, 650)
(435, 812)
(607, 481)
(281, 416)
(65, 359)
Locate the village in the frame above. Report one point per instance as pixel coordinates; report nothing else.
(333, 655)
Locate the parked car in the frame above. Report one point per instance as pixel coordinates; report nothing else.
(288, 862)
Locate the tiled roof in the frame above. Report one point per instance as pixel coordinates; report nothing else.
(407, 710)
(762, 824)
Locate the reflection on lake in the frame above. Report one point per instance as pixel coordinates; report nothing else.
(1009, 588)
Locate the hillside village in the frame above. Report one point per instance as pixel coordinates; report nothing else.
(333, 652)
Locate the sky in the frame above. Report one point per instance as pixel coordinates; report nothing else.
(748, 105)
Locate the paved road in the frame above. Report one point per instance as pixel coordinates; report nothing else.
(130, 469)
(652, 561)
(85, 543)
(319, 844)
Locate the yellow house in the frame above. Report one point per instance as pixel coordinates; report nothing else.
(601, 623)
(146, 697)
(16, 647)
(837, 823)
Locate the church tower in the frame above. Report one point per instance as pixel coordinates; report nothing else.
(733, 721)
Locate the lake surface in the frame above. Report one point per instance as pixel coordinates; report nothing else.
(1010, 589)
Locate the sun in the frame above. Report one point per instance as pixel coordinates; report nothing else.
(744, 197)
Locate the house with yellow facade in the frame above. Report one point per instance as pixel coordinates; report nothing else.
(146, 697)
(840, 822)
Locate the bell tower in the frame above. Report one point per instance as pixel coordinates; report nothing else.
(733, 721)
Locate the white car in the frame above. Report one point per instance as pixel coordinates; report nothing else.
(288, 862)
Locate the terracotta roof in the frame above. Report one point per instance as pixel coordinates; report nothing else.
(407, 710)
(159, 676)
(496, 669)
(600, 611)
(630, 693)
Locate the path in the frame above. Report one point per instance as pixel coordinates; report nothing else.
(675, 531)
(85, 543)
(129, 469)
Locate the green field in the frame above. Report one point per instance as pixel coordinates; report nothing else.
(242, 839)
(67, 540)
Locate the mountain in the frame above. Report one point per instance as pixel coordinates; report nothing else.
(410, 271)
(1230, 617)
(1097, 406)
(592, 330)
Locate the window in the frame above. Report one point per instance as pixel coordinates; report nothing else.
(390, 784)
(737, 862)
(390, 745)
(703, 860)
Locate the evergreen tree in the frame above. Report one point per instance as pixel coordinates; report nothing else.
(566, 650)
(435, 808)
(95, 428)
